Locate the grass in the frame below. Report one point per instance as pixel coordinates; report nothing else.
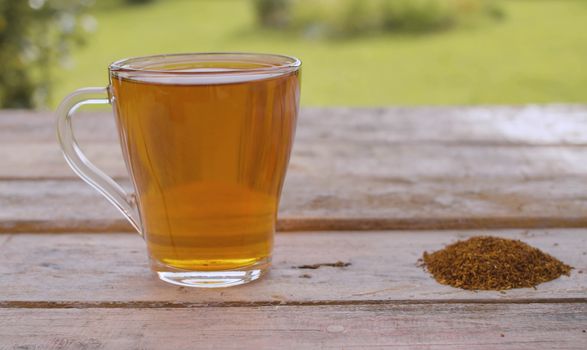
(538, 54)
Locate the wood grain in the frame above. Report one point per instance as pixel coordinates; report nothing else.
(419, 168)
(339, 204)
(457, 326)
(98, 270)
(479, 125)
(352, 169)
(399, 142)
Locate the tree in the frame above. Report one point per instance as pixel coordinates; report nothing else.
(36, 36)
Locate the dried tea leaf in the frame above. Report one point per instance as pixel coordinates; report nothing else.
(492, 263)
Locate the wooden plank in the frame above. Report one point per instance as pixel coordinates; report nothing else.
(480, 125)
(339, 204)
(370, 161)
(98, 270)
(457, 326)
(442, 140)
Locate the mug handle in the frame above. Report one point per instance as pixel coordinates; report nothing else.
(80, 163)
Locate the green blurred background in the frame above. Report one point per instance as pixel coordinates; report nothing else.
(359, 53)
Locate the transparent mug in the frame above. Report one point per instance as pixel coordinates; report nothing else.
(206, 138)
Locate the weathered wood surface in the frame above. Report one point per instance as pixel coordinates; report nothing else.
(71, 205)
(484, 125)
(444, 326)
(352, 169)
(420, 168)
(112, 269)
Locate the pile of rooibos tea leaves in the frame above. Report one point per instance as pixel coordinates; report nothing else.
(491, 263)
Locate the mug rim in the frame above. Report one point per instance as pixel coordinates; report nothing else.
(288, 63)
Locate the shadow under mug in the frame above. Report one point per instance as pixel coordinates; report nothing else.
(206, 138)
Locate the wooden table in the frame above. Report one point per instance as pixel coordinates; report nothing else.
(371, 187)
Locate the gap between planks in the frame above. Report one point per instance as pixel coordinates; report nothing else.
(314, 224)
(184, 305)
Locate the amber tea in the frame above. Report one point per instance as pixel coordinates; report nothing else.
(208, 161)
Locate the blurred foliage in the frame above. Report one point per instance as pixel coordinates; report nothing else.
(537, 55)
(273, 13)
(355, 17)
(35, 37)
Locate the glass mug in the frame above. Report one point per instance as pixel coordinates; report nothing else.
(206, 138)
